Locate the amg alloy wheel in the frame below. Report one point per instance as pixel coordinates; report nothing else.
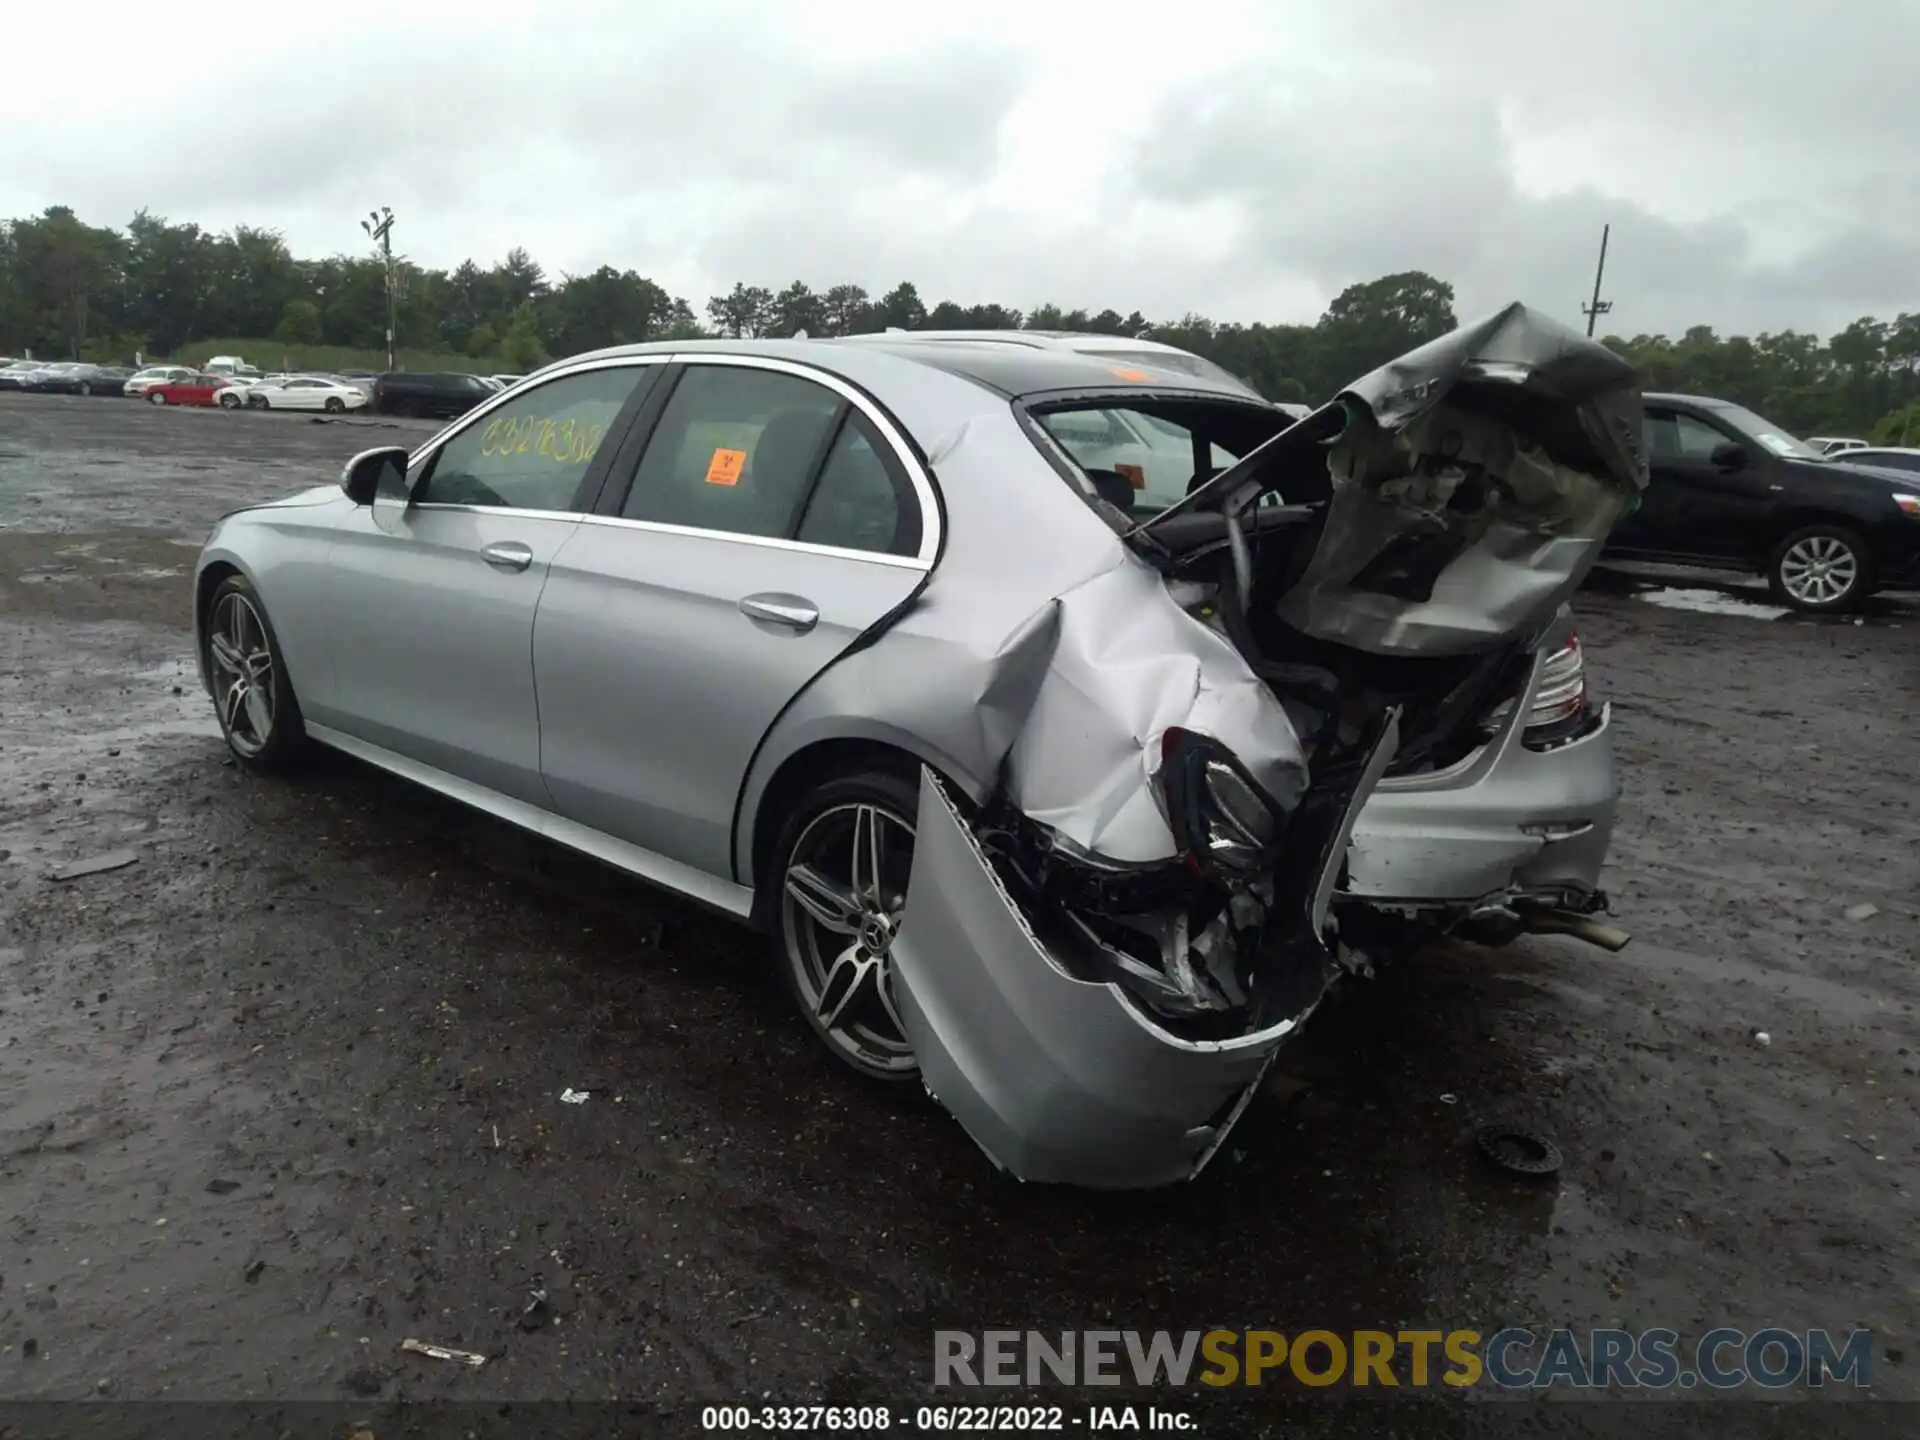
(251, 693)
(1821, 567)
(843, 886)
(333, 405)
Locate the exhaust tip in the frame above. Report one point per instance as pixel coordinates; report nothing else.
(1610, 938)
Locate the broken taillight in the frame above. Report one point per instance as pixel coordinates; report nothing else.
(1220, 817)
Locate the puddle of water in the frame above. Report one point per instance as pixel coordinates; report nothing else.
(1711, 602)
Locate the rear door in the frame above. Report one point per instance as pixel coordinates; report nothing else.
(773, 516)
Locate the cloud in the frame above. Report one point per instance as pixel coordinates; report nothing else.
(1247, 161)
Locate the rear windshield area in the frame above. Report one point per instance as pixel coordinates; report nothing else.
(1150, 453)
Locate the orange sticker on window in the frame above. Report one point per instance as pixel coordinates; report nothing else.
(1133, 374)
(725, 467)
(1133, 474)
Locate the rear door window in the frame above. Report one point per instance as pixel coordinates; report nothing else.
(736, 450)
(1152, 455)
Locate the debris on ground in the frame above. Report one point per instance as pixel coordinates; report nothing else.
(222, 1186)
(97, 865)
(253, 1270)
(1762, 1039)
(444, 1352)
(1865, 910)
(537, 1312)
(1519, 1151)
(574, 1097)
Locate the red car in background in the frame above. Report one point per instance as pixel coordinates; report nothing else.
(196, 390)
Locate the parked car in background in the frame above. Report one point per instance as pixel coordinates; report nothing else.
(198, 389)
(1885, 457)
(230, 365)
(435, 394)
(51, 376)
(506, 382)
(1834, 444)
(142, 381)
(304, 392)
(11, 375)
(79, 379)
(1732, 490)
(1042, 802)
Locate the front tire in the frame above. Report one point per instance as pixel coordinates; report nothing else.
(1821, 568)
(252, 695)
(154, 397)
(229, 401)
(842, 864)
(85, 388)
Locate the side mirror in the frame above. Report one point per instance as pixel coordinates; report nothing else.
(1727, 456)
(379, 478)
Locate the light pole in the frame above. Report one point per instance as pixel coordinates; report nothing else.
(1599, 307)
(379, 226)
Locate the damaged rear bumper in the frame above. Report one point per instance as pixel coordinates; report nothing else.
(1056, 1078)
(1508, 819)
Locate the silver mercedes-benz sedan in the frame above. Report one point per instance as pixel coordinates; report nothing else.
(1044, 786)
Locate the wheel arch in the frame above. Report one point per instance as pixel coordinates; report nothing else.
(1798, 518)
(808, 766)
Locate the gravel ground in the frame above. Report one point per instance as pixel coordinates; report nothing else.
(287, 1090)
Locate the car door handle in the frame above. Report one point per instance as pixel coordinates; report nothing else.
(795, 612)
(507, 555)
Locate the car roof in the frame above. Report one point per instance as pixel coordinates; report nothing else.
(1011, 370)
(1892, 449)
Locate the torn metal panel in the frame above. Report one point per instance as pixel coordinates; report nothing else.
(1473, 487)
(1056, 1078)
(1127, 665)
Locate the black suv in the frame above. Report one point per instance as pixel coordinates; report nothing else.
(1731, 490)
(439, 394)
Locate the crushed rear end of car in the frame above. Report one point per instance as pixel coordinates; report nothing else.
(1101, 956)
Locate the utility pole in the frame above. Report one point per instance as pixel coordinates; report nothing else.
(379, 225)
(1598, 307)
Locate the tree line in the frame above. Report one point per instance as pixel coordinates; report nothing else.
(76, 290)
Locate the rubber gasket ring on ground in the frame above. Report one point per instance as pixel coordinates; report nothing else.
(1521, 1151)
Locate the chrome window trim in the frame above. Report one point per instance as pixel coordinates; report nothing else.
(930, 532)
(768, 542)
(930, 516)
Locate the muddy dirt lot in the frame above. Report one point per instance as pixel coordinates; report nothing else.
(287, 1090)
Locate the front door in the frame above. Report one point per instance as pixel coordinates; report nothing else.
(770, 521)
(432, 637)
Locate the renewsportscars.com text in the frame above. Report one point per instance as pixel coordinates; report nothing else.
(1512, 1358)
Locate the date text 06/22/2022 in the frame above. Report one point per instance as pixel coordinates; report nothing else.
(934, 1419)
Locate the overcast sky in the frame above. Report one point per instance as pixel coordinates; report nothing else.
(1242, 159)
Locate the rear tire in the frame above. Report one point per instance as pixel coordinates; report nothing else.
(1821, 569)
(836, 916)
(252, 694)
(85, 388)
(229, 400)
(333, 405)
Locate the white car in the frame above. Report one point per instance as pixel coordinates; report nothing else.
(305, 392)
(1834, 444)
(142, 381)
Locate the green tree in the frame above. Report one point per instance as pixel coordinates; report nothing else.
(899, 308)
(520, 347)
(299, 324)
(481, 341)
(745, 312)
